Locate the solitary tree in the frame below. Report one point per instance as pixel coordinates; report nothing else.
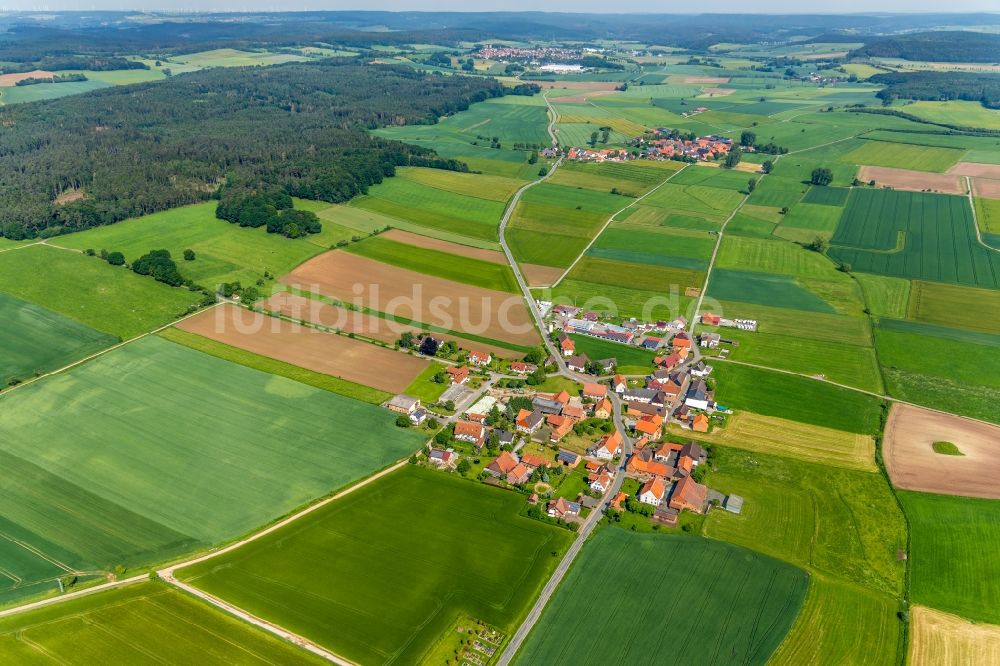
(188, 255)
(116, 258)
(747, 138)
(733, 158)
(751, 185)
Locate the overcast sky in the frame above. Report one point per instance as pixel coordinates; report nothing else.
(656, 6)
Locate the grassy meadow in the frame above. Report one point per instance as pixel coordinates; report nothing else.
(467, 554)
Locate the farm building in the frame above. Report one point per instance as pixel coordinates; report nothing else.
(403, 404)
(733, 504)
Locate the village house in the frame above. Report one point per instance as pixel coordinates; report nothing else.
(699, 369)
(709, 340)
(601, 480)
(563, 509)
(637, 410)
(607, 447)
(574, 412)
(468, 431)
(617, 502)
(644, 470)
(459, 375)
(567, 458)
(619, 384)
(520, 474)
(566, 345)
(607, 364)
(403, 404)
(697, 395)
(505, 438)
(595, 391)
(445, 459)
(560, 425)
(503, 465)
(694, 451)
(418, 416)
(650, 426)
(681, 341)
(578, 363)
(603, 409)
(689, 495)
(653, 492)
(651, 343)
(710, 319)
(699, 423)
(480, 358)
(529, 421)
(534, 461)
(546, 405)
(522, 368)
(668, 453)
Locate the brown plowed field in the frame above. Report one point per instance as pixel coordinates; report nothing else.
(913, 465)
(721, 92)
(986, 188)
(582, 97)
(336, 355)
(579, 85)
(7, 80)
(914, 181)
(940, 639)
(977, 170)
(404, 293)
(359, 323)
(697, 79)
(540, 276)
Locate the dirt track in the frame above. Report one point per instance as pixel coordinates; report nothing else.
(412, 295)
(913, 181)
(335, 355)
(913, 465)
(359, 323)
(939, 638)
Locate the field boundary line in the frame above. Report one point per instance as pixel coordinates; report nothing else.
(32, 380)
(975, 217)
(608, 224)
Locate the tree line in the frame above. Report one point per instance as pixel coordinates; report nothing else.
(298, 128)
(936, 46)
(943, 86)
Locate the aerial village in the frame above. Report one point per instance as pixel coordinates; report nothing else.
(624, 444)
(659, 144)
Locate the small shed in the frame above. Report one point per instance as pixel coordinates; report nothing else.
(733, 504)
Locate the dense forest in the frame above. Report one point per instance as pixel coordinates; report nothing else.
(938, 46)
(138, 149)
(970, 86)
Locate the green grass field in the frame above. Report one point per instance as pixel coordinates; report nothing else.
(954, 554)
(988, 214)
(154, 450)
(382, 574)
(422, 387)
(113, 300)
(762, 288)
(654, 246)
(445, 265)
(142, 623)
(903, 156)
(34, 340)
(43, 91)
(631, 359)
(939, 239)
(795, 398)
(955, 112)
(224, 252)
(659, 303)
(885, 296)
(729, 604)
(951, 305)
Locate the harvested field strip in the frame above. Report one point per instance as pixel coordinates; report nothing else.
(457, 268)
(913, 464)
(941, 638)
(914, 181)
(155, 450)
(842, 623)
(442, 524)
(276, 367)
(314, 309)
(335, 355)
(954, 306)
(954, 557)
(742, 613)
(367, 221)
(469, 310)
(991, 171)
(35, 340)
(442, 245)
(143, 623)
(777, 436)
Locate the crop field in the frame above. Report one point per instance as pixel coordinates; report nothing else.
(367, 221)
(631, 359)
(113, 300)
(712, 176)
(432, 207)
(913, 463)
(842, 623)
(939, 638)
(848, 364)
(799, 512)
(914, 181)
(36, 340)
(626, 302)
(740, 614)
(467, 310)
(224, 252)
(954, 395)
(885, 296)
(764, 289)
(641, 277)
(951, 305)
(131, 474)
(796, 398)
(480, 186)
(792, 439)
(457, 268)
(443, 524)
(939, 241)
(955, 112)
(826, 196)
(988, 215)
(234, 58)
(774, 256)
(653, 246)
(798, 324)
(953, 554)
(130, 625)
(943, 352)
(778, 192)
(43, 91)
(904, 156)
(328, 353)
(635, 177)
(711, 203)
(804, 222)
